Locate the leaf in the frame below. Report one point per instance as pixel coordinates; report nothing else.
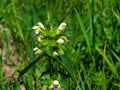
(44, 73)
(45, 81)
(48, 50)
(2, 4)
(83, 29)
(67, 64)
(110, 65)
(64, 84)
(28, 67)
(115, 55)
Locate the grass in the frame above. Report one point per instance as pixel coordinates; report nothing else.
(91, 61)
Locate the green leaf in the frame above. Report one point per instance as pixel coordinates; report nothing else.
(28, 67)
(83, 29)
(67, 64)
(64, 84)
(45, 82)
(48, 50)
(44, 73)
(2, 4)
(110, 65)
(115, 55)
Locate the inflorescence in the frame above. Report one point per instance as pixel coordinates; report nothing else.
(52, 39)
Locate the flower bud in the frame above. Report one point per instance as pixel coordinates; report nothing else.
(60, 41)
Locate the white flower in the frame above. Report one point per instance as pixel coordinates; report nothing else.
(36, 48)
(55, 54)
(41, 25)
(39, 39)
(65, 38)
(37, 51)
(55, 83)
(60, 41)
(35, 27)
(51, 86)
(36, 31)
(62, 26)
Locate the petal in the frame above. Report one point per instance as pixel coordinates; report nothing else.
(62, 26)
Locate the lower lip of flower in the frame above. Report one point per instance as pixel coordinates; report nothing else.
(55, 88)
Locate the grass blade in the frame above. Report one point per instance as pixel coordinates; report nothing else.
(83, 29)
(110, 65)
(118, 58)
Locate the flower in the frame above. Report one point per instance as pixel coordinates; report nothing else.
(51, 86)
(55, 83)
(36, 48)
(64, 38)
(38, 28)
(36, 31)
(60, 41)
(37, 51)
(55, 88)
(35, 27)
(40, 37)
(62, 26)
(55, 54)
(41, 26)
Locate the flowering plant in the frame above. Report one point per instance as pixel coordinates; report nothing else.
(50, 42)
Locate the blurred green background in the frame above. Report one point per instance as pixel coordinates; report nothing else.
(94, 49)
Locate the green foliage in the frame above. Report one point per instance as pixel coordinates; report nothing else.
(90, 61)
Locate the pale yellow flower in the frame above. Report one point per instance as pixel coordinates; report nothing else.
(55, 54)
(41, 26)
(60, 41)
(55, 83)
(37, 51)
(62, 26)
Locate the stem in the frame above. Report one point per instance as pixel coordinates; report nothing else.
(50, 66)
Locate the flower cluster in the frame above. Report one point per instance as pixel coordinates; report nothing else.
(50, 40)
(55, 85)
